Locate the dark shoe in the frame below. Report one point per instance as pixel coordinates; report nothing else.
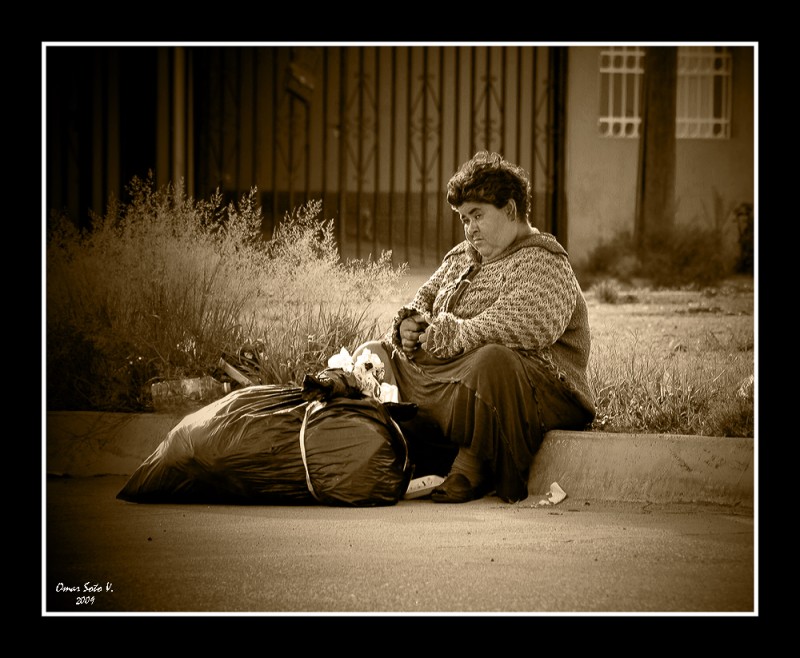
(456, 489)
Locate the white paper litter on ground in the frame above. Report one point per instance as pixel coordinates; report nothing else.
(553, 497)
(420, 487)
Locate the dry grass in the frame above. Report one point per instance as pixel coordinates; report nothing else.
(674, 361)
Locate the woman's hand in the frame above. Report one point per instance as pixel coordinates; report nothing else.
(412, 333)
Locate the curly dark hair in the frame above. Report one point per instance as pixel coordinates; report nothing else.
(488, 178)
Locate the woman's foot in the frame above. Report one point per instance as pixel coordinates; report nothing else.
(457, 489)
(465, 481)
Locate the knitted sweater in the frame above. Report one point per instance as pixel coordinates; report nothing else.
(526, 298)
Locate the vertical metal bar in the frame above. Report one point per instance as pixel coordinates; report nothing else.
(706, 100)
(324, 118)
(221, 120)
(256, 119)
(190, 157)
(238, 109)
(408, 156)
(472, 103)
(559, 216)
(624, 94)
(612, 110)
(440, 176)
(457, 127)
(360, 165)
(290, 153)
(392, 147)
(307, 149)
(487, 90)
(549, 141)
(275, 53)
(563, 81)
(376, 190)
(534, 92)
(503, 65)
(555, 162)
(682, 99)
(637, 78)
(727, 76)
(518, 131)
(342, 143)
(424, 186)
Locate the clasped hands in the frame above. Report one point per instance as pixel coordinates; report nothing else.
(412, 333)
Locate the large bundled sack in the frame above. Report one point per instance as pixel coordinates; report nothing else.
(267, 444)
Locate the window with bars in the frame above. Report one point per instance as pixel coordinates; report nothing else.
(621, 70)
(703, 94)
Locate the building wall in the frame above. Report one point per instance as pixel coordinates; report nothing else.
(721, 171)
(711, 176)
(600, 172)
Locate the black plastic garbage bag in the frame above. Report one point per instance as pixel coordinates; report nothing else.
(269, 445)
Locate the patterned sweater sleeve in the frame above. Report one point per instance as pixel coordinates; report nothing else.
(536, 300)
(421, 304)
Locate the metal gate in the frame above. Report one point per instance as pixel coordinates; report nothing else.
(375, 132)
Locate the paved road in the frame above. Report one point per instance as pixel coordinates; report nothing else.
(418, 558)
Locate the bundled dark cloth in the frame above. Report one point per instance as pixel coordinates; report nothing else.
(322, 443)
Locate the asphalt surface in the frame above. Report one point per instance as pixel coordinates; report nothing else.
(580, 556)
(651, 525)
(417, 557)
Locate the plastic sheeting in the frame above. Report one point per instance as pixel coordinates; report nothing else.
(268, 445)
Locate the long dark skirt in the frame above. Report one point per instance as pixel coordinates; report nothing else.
(492, 399)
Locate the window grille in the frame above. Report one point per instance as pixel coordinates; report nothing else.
(704, 93)
(620, 79)
(703, 103)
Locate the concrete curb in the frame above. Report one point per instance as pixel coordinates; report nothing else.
(657, 468)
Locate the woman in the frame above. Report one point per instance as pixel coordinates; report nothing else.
(494, 346)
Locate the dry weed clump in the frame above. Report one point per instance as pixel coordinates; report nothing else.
(160, 287)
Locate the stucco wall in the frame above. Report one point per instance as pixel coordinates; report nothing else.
(723, 169)
(601, 172)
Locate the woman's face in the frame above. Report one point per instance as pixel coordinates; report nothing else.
(490, 230)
